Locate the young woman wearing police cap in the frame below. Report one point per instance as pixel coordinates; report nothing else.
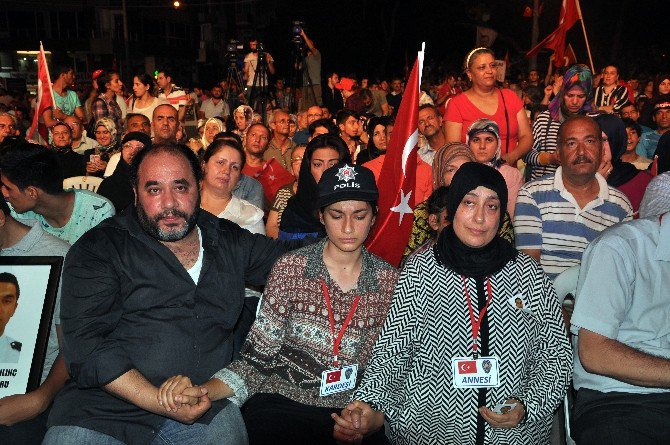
(322, 310)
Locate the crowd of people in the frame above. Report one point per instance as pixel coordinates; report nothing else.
(217, 287)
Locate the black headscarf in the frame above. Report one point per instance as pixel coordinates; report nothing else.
(615, 129)
(371, 151)
(450, 250)
(300, 215)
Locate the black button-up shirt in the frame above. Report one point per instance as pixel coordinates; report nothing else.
(128, 303)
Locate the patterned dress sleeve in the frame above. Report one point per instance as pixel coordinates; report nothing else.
(259, 355)
(506, 231)
(421, 230)
(281, 199)
(394, 352)
(550, 375)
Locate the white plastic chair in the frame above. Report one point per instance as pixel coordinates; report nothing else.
(564, 284)
(90, 183)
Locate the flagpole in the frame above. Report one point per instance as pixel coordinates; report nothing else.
(46, 66)
(586, 39)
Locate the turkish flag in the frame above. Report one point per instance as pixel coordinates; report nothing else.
(467, 367)
(45, 98)
(556, 40)
(333, 376)
(272, 176)
(397, 180)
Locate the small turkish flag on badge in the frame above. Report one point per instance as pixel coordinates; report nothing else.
(467, 367)
(333, 376)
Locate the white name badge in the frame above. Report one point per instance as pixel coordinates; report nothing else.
(338, 380)
(481, 372)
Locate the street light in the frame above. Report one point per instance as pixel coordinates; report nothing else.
(176, 4)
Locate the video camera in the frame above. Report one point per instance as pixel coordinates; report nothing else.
(297, 27)
(233, 50)
(233, 46)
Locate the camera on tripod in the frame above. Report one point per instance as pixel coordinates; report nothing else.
(296, 30)
(233, 49)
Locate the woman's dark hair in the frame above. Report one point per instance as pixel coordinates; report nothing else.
(328, 124)
(437, 201)
(657, 81)
(218, 145)
(145, 79)
(103, 79)
(327, 141)
(472, 55)
(227, 136)
(300, 214)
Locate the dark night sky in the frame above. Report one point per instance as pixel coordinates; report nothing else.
(353, 35)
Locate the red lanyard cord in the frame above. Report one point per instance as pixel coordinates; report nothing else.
(337, 340)
(477, 322)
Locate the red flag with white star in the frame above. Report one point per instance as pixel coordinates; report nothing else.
(397, 179)
(272, 177)
(45, 96)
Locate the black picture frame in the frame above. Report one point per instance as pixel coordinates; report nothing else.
(47, 284)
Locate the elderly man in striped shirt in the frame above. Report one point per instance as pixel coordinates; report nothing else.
(558, 215)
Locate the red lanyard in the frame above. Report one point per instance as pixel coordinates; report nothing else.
(337, 340)
(476, 323)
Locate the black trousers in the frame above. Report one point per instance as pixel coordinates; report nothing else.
(276, 420)
(621, 418)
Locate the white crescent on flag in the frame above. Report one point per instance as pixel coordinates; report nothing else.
(409, 146)
(39, 90)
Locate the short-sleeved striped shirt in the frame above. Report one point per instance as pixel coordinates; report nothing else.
(545, 137)
(547, 217)
(177, 97)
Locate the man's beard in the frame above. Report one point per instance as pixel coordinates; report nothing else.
(151, 226)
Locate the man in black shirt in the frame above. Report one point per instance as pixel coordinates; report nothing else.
(150, 293)
(332, 97)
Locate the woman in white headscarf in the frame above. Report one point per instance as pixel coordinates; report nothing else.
(213, 126)
(243, 116)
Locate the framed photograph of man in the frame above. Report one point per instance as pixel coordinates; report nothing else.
(28, 287)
